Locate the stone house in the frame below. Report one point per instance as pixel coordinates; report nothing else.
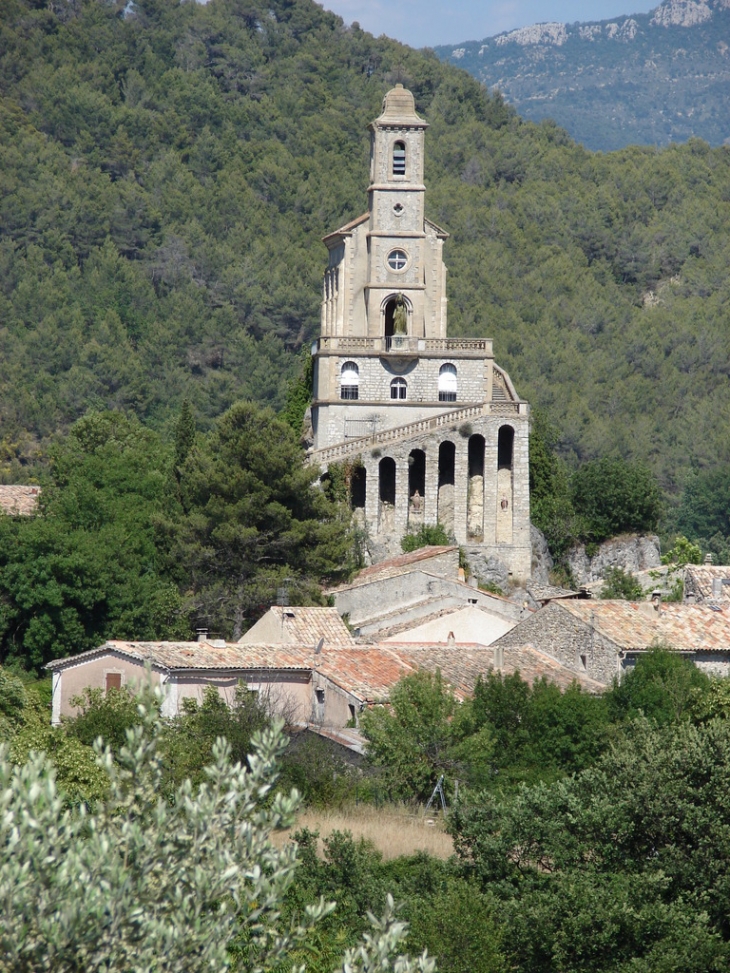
(19, 500)
(707, 584)
(602, 639)
(395, 596)
(430, 428)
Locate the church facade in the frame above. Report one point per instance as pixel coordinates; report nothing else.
(430, 428)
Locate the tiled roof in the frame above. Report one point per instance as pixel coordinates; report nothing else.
(463, 663)
(698, 580)
(19, 500)
(348, 227)
(396, 565)
(548, 592)
(302, 626)
(632, 625)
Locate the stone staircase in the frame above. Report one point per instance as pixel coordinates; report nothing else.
(351, 447)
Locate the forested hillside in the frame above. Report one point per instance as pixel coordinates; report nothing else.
(168, 170)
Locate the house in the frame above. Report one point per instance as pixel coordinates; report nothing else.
(707, 584)
(299, 626)
(404, 593)
(602, 639)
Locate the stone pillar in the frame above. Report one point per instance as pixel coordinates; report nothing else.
(401, 496)
(521, 487)
(461, 478)
(490, 486)
(431, 497)
(372, 497)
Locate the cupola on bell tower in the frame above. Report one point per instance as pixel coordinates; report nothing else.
(433, 425)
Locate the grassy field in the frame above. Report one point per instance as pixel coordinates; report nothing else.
(394, 831)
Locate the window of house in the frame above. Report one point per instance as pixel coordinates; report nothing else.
(399, 159)
(349, 381)
(397, 259)
(113, 680)
(398, 388)
(447, 383)
(319, 693)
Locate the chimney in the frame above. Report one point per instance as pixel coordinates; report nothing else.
(451, 640)
(202, 634)
(708, 558)
(656, 600)
(498, 656)
(717, 589)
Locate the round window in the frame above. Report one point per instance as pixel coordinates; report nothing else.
(397, 259)
(399, 209)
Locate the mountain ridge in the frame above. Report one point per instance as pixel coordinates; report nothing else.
(652, 78)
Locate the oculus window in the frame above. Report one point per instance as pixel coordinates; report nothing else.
(397, 260)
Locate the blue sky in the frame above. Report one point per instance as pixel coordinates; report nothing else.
(423, 23)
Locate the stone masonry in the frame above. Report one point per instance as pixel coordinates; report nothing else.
(431, 429)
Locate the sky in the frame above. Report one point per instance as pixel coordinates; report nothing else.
(426, 23)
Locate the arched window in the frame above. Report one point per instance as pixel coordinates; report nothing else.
(399, 159)
(447, 383)
(398, 388)
(349, 381)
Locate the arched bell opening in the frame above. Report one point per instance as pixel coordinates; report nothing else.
(447, 470)
(475, 489)
(505, 484)
(386, 492)
(358, 488)
(416, 487)
(392, 324)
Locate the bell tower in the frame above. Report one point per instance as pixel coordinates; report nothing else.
(432, 430)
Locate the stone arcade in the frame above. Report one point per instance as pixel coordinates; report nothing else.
(432, 428)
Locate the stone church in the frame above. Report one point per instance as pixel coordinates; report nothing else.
(430, 427)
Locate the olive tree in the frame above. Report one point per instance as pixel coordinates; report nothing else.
(143, 883)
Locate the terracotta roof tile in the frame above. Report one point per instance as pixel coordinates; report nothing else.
(304, 626)
(698, 580)
(19, 500)
(396, 565)
(632, 625)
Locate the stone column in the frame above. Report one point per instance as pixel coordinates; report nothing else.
(521, 487)
(431, 496)
(490, 486)
(372, 497)
(401, 495)
(461, 483)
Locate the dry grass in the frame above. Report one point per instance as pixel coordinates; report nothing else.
(394, 831)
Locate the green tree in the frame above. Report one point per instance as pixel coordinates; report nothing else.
(615, 497)
(422, 734)
(190, 884)
(621, 584)
(661, 686)
(252, 517)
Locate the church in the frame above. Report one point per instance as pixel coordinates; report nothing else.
(430, 428)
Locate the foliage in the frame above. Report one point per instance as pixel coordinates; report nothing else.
(106, 715)
(189, 740)
(167, 176)
(635, 56)
(538, 731)
(661, 687)
(621, 584)
(551, 507)
(299, 393)
(421, 736)
(89, 566)
(683, 552)
(181, 885)
(251, 518)
(426, 535)
(620, 867)
(615, 497)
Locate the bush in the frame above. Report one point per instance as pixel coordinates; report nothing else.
(621, 584)
(426, 536)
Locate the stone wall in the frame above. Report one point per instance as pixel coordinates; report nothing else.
(557, 633)
(631, 552)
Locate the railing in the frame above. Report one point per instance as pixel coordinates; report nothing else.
(404, 343)
(330, 454)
